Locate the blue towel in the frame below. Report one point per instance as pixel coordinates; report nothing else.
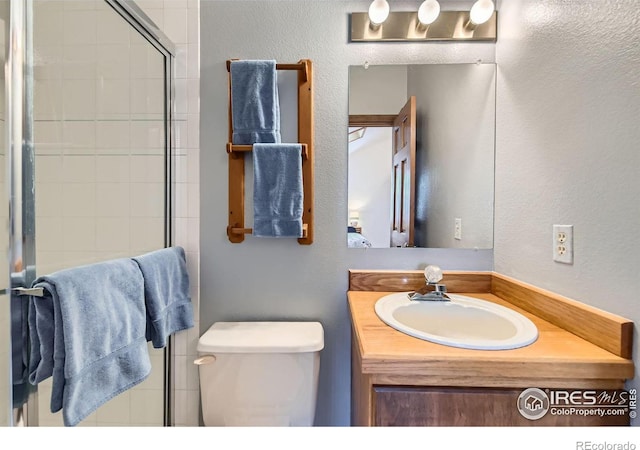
(19, 339)
(254, 102)
(166, 292)
(19, 344)
(277, 190)
(88, 333)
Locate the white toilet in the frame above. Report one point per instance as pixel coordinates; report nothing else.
(260, 373)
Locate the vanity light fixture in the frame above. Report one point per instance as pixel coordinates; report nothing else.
(428, 23)
(481, 11)
(378, 13)
(428, 12)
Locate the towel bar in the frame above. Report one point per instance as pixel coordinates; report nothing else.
(34, 292)
(302, 66)
(237, 230)
(231, 148)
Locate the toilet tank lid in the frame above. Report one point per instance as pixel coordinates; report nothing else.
(262, 337)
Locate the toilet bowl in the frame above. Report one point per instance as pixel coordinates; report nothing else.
(259, 373)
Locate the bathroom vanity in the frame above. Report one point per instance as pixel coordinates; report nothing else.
(400, 380)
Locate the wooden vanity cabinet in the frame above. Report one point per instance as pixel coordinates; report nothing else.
(376, 404)
(450, 407)
(423, 406)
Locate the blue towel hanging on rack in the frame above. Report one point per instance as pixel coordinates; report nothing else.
(88, 333)
(254, 102)
(277, 190)
(166, 292)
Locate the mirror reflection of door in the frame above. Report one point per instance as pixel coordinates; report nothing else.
(404, 176)
(401, 166)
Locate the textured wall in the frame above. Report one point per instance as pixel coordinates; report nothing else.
(567, 148)
(279, 279)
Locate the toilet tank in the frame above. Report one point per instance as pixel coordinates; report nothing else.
(260, 373)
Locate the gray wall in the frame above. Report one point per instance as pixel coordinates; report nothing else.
(567, 148)
(455, 153)
(377, 89)
(276, 279)
(567, 110)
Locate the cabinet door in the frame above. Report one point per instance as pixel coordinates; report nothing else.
(417, 406)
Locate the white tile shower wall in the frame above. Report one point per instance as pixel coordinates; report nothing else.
(180, 20)
(85, 163)
(85, 207)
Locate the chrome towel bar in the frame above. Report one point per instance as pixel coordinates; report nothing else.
(35, 292)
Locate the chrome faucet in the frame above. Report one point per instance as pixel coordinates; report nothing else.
(432, 274)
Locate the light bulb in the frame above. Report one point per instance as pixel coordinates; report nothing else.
(378, 11)
(481, 11)
(428, 12)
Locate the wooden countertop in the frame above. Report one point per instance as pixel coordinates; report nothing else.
(557, 359)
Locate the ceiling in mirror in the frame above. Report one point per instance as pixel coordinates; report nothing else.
(421, 156)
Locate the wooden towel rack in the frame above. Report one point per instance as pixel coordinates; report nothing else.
(236, 153)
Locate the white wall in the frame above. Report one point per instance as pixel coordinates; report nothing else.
(567, 148)
(241, 281)
(370, 184)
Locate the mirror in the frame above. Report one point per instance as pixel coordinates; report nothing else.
(421, 156)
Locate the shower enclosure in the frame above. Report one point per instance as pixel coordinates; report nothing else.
(86, 162)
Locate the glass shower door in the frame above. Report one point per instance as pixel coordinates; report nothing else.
(101, 145)
(5, 313)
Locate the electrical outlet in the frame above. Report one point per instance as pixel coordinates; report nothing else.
(563, 243)
(457, 230)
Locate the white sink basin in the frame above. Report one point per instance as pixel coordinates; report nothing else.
(464, 322)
